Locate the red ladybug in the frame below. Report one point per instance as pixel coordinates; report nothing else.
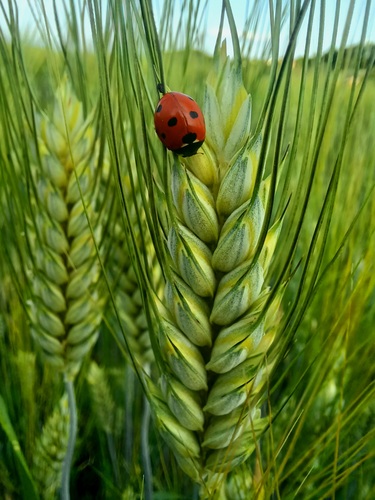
(179, 123)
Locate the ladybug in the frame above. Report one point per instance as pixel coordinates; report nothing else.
(179, 123)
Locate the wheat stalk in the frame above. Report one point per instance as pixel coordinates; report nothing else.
(212, 330)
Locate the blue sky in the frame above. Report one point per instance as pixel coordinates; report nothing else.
(239, 10)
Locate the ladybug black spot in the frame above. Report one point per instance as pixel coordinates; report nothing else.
(172, 122)
(193, 114)
(189, 138)
(163, 136)
(158, 109)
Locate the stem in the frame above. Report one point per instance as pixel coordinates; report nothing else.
(69, 387)
(129, 405)
(112, 454)
(147, 469)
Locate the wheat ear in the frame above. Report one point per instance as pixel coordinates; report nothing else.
(65, 308)
(211, 332)
(50, 450)
(123, 279)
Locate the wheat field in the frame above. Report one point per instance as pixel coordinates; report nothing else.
(199, 326)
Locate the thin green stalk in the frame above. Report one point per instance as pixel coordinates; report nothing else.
(129, 415)
(145, 427)
(65, 480)
(112, 454)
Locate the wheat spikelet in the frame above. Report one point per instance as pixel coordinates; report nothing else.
(65, 308)
(50, 450)
(211, 333)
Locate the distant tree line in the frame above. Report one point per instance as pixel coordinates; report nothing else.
(366, 56)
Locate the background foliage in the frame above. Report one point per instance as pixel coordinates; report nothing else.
(320, 443)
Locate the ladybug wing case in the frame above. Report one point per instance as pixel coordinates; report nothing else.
(179, 123)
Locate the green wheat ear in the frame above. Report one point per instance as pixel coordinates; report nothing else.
(102, 399)
(123, 279)
(65, 308)
(50, 450)
(212, 332)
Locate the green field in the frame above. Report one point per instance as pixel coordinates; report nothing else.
(197, 327)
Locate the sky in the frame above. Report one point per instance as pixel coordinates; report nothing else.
(240, 10)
